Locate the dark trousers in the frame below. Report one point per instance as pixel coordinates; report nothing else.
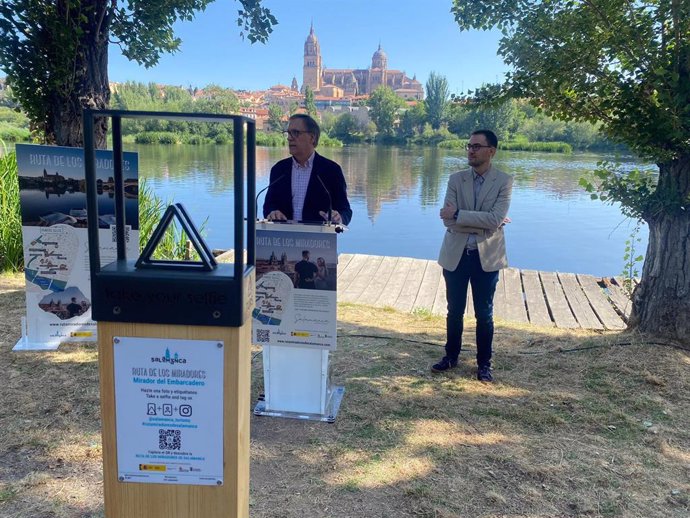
(469, 271)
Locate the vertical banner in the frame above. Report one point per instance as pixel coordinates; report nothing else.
(52, 189)
(296, 271)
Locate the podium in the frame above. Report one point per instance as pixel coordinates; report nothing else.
(295, 319)
(174, 353)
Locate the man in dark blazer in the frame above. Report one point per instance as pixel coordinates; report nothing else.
(306, 186)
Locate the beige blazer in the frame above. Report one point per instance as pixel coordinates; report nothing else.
(485, 222)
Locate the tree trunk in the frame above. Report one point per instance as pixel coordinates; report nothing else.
(661, 302)
(90, 87)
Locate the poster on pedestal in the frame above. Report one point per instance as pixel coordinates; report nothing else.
(52, 190)
(296, 272)
(169, 410)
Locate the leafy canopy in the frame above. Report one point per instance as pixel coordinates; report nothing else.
(623, 63)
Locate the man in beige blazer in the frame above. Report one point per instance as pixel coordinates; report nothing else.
(474, 250)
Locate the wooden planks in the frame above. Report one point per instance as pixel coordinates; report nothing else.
(364, 277)
(565, 300)
(578, 302)
(600, 303)
(395, 282)
(427, 291)
(537, 311)
(558, 304)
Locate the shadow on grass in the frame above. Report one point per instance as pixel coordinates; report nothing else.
(576, 424)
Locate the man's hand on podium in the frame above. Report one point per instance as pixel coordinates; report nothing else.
(276, 215)
(335, 216)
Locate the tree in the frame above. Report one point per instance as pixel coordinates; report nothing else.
(384, 105)
(309, 104)
(436, 101)
(626, 65)
(413, 120)
(55, 53)
(275, 117)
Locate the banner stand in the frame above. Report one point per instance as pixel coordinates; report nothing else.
(295, 319)
(23, 344)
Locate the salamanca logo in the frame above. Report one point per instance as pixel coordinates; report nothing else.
(168, 358)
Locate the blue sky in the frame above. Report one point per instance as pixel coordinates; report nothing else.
(419, 36)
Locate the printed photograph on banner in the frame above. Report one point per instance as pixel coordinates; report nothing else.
(308, 260)
(52, 187)
(295, 287)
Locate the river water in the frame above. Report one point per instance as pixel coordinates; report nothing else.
(396, 193)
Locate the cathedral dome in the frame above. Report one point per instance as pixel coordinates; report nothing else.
(379, 59)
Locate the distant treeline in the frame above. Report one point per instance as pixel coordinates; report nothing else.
(518, 124)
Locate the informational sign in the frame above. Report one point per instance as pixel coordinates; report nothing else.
(296, 272)
(169, 410)
(52, 190)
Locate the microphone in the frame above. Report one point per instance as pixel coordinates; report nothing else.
(256, 201)
(330, 201)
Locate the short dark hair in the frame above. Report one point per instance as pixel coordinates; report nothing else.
(305, 252)
(490, 136)
(311, 124)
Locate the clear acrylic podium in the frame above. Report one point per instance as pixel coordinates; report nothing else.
(295, 321)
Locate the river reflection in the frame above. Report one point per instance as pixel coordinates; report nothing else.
(396, 194)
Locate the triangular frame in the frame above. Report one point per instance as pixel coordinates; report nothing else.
(207, 263)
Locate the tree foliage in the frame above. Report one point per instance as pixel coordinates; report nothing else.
(437, 95)
(624, 64)
(55, 53)
(309, 103)
(384, 105)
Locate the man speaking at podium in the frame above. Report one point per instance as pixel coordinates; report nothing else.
(306, 187)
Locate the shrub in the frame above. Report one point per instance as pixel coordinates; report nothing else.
(11, 249)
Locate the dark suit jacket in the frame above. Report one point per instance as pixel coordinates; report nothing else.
(279, 195)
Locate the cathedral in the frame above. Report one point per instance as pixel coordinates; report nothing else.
(353, 82)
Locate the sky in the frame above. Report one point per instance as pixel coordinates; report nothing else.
(418, 36)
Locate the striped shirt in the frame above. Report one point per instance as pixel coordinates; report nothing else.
(300, 182)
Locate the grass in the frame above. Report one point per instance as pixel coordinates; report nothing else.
(601, 431)
(11, 251)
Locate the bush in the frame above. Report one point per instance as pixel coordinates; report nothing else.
(546, 147)
(158, 137)
(11, 249)
(10, 133)
(270, 139)
(327, 141)
(455, 143)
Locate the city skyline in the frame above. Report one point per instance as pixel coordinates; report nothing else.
(212, 51)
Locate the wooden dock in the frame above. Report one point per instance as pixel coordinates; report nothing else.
(564, 300)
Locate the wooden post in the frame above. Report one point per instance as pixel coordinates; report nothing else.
(133, 500)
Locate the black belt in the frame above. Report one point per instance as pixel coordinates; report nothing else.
(471, 251)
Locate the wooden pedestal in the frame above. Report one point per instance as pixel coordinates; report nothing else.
(136, 500)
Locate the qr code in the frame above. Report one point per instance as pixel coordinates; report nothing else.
(263, 336)
(169, 439)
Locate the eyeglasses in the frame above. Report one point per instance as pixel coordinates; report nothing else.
(294, 133)
(475, 147)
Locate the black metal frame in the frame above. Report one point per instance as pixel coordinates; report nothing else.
(170, 292)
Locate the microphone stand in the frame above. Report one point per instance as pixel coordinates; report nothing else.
(256, 201)
(330, 200)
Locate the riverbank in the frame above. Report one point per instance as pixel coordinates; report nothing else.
(578, 423)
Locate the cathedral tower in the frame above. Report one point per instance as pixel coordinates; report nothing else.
(312, 62)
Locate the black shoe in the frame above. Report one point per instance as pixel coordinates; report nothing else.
(484, 374)
(444, 365)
